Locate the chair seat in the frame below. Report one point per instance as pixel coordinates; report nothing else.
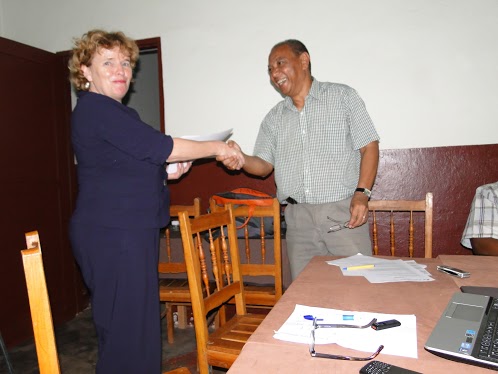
(259, 289)
(176, 290)
(228, 340)
(174, 283)
(259, 295)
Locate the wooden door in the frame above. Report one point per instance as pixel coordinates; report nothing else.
(37, 183)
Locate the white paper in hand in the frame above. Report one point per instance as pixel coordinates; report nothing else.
(222, 136)
(173, 168)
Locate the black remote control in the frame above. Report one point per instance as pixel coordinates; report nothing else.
(377, 367)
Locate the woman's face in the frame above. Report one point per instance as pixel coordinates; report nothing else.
(109, 73)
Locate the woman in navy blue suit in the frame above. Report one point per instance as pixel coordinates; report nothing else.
(122, 202)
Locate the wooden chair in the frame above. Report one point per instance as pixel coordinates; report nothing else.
(221, 347)
(175, 291)
(41, 314)
(255, 263)
(178, 371)
(39, 304)
(409, 206)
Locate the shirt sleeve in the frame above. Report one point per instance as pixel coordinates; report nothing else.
(265, 146)
(122, 127)
(362, 128)
(483, 217)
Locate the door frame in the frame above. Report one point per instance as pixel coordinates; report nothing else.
(155, 44)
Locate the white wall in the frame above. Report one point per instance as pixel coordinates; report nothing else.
(426, 69)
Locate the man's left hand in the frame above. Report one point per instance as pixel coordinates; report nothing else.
(359, 210)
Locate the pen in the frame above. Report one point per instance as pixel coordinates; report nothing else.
(358, 267)
(311, 318)
(345, 317)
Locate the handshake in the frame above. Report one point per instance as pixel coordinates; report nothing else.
(231, 156)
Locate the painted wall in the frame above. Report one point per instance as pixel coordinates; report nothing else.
(426, 69)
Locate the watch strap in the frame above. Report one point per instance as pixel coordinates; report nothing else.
(366, 191)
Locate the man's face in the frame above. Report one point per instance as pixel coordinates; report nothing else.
(287, 71)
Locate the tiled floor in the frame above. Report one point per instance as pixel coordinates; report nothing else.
(77, 348)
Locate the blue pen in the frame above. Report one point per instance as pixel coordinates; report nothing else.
(311, 318)
(345, 317)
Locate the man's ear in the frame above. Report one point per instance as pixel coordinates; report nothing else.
(305, 60)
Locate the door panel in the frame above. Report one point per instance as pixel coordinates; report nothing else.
(37, 184)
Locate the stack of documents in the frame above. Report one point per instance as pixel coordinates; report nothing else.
(378, 270)
(398, 341)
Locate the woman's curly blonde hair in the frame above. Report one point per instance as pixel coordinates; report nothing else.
(86, 47)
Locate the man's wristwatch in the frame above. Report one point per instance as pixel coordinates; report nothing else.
(366, 191)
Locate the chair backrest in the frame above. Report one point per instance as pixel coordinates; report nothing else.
(254, 262)
(200, 244)
(409, 206)
(41, 314)
(170, 263)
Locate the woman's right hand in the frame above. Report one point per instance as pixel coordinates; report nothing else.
(232, 156)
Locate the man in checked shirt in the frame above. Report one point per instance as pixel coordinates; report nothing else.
(481, 231)
(324, 149)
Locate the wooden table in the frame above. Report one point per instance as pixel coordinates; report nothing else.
(323, 285)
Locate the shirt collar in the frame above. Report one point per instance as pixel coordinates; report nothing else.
(313, 92)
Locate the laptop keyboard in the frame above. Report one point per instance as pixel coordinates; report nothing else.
(488, 349)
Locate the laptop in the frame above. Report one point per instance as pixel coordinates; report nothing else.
(467, 331)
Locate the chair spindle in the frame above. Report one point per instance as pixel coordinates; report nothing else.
(202, 260)
(248, 247)
(411, 231)
(392, 235)
(375, 237)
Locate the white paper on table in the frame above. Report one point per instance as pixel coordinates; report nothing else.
(398, 341)
(397, 271)
(384, 271)
(222, 136)
(420, 267)
(357, 260)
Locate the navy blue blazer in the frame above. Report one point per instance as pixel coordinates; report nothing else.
(121, 171)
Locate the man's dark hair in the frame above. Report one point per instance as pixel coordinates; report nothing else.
(296, 46)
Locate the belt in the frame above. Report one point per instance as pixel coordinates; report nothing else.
(290, 200)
